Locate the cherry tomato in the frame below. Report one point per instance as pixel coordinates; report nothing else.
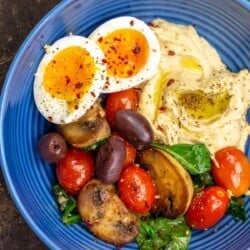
(136, 189)
(207, 207)
(126, 99)
(130, 151)
(130, 154)
(75, 170)
(231, 170)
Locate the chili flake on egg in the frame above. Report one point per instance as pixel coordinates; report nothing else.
(131, 50)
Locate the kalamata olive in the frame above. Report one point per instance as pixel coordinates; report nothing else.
(52, 147)
(109, 160)
(134, 127)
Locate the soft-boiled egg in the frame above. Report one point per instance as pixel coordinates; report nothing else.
(131, 49)
(69, 79)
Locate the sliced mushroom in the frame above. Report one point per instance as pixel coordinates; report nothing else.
(105, 214)
(91, 128)
(173, 183)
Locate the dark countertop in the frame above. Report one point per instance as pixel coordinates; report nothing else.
(17, 18)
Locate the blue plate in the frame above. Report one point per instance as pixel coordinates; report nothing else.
(224, 23)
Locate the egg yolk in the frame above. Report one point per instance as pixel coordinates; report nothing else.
(126, 52)
(69, 75)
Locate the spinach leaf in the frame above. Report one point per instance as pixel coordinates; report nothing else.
(195, 158)
(237, 208)
(202, 180)
(162, 233)
(67, 205)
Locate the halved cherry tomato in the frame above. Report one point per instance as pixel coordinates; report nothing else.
(130, 152)
(136, 189)
(231, 169)
(75, 170)
(126, 99)
(207, 207)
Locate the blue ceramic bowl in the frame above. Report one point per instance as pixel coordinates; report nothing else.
(224, 23)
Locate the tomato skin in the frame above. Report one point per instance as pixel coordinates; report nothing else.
(75, 170)
(231, 170)
(130, 151)
(207, 207)
(136, 189)
(126, 99)
(130, 154)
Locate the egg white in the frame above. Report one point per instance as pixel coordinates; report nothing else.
(54, 109)
(149, 69)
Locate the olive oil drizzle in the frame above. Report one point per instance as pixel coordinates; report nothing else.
(200, 105)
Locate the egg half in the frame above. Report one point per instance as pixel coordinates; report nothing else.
(69, 79)
(131, 49)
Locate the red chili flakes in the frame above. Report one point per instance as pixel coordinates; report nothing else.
(117, 39)
(136, 50)
(170, 82)
(106, 82)
(130, 72)
(78, 95)
(132, 22)
(67, 79)
(76, 107)
(81, 66)
(93, 94)
(121, 58)
(162, 108)
(78, 85)
(113, 48)
(171, 53)
(100, 39)
(153, 24)
(50, 118)
(54, 61)
(104, 60)
(106, 85)
(160, 128)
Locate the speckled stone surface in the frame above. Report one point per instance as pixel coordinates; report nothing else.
(17, 18)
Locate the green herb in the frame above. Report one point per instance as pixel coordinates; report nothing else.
(162, 234)
(95, 145)
(237, 208)
(202, 180)
(195, 158)
(67, 205)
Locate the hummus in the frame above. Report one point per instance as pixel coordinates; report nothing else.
(194, 98)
